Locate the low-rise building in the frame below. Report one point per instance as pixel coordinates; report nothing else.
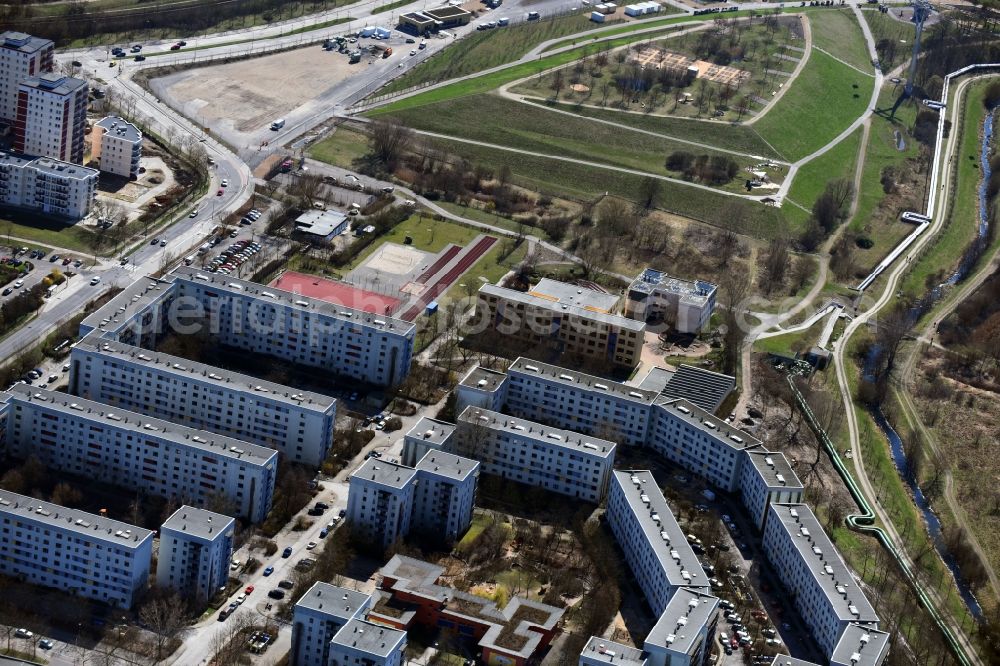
(557, 460)
(47, 186)
(317, 617)
(119, 447)
(685, 305)
(767, 478)
(602, 652)
(70, 550)
(116, 146)
(685, 632)
(194, 552)
(432, 20)
(427, 435)
(363, 643)
(514, 636)
(815, 577)
(299, 424)
(565, 318)
(860, 646)
(654, 545)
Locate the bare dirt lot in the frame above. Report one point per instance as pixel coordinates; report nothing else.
(247, 96)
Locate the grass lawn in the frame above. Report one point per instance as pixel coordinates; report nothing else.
(839, 162)
(508, 123)
(488, 48)
(789, 343)
(480, 215)
(341, 148)
(947, 247)
(583, 183)
(428, 234)
(389, 6)
(479, 523)
(823, 101)
(838, 33)
(51, 232)
(899, 33)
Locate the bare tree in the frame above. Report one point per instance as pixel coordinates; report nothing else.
(388, 140)
(164, 615)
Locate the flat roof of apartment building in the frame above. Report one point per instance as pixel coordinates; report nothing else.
(23, 42)
(705, 421)
(483, 379)
(705, 388)
(120, 128)
(385, 473)
(431, 430)
(560, 375)
(132, 299)
(553, 304)
(823, 561)
(148, 426)
(337, 602)
(696, 292)
(51, 82)
(202, 372)
(293, 301)
(861, 646)
(556, 437)
(447, 465)
(668, 541)
(199, 523)
(773, 468)
(369, 638)
(571, 294)
(85, 524)
(611, 653)
(683, 618)
(785, 660)
(68, 170)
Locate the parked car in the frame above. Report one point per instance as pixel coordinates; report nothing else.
(46, 644)
(287, 552)
(276, 594)
(310, 545)
(323, 532)
(249, 589)
(8, 291)
(286, 584)
(268, 570)
(23, 633)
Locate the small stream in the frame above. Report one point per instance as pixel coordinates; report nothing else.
(968, 261)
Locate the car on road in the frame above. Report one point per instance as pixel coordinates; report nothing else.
(46, 644)
(77, 63)
(323, 532)
(193, 213)
(241, 598)
(8, 291)
(124, 261)
(65, 367)
(163, 243)
(155, 241)
(310, 545)
(52, 379)
(175, 47)
(413, 52)
(18, 284)
(286, 584)
(220, 192)
(225, 182)
(95, 280)
(223, 614)
(287, 552)
(23, 633)
(276, 594)
(268, 570)
(139, 58)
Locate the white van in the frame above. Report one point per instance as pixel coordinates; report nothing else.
(189, 260)
(278, 124)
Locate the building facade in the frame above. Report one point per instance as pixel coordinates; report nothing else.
(602, 652)
(116, 146)
(194, 552)
(445, 496)
(654, 544)
(685, 305)
(363, 643)
(766, 478)
(21, 56)
(47, 186)
(483, 388)
(380, 502)
(119, 447)
(556, 460)
(51, 117)
(426, 436)
(298, 424)
(317, 617)
(824, 591)
(564, 318)
(73, 551)
(685, 632)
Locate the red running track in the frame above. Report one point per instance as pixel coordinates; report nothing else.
(439, 264)
(464, 264)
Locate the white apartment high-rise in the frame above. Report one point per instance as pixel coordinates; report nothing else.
(48, 186)
(195, 548)
(427, 435)
(380, 501)
(557, 460)
(77, 552)
(445, 496)
(363, 643)
(51, 117)
(685, 632)
(298, 424)
(766, 478)
(123, 448)
(116, 146)
(21, 56)
(317, 617)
